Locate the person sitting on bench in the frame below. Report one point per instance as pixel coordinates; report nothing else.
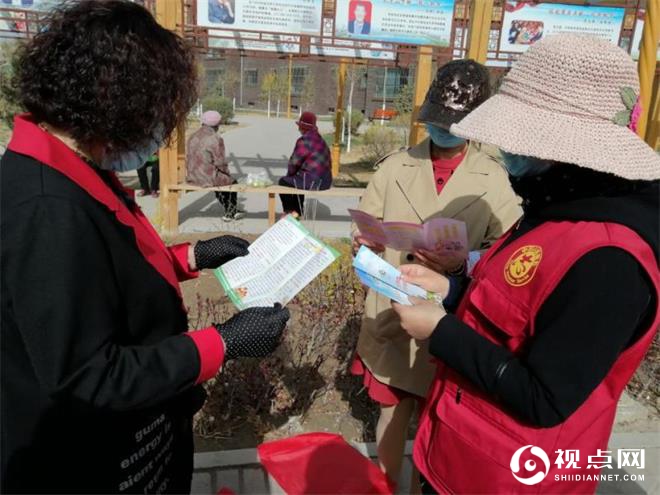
(309, 165)
(207, 166)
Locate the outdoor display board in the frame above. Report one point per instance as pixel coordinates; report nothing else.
(251, 41)
(275, 16)
(637, 37)
(524, 24)
(14, 24)
(351, 49)
(423, 22)
(37, 5)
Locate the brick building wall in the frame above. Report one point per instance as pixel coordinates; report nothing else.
(367, 94)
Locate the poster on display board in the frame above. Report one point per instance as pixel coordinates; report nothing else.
(13, 23)
(637, 37)
(351, 49)
(252, 41)
(35, 5)
(275, 16)
(524, 24)
(423, 22)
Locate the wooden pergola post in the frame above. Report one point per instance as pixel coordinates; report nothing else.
(653, 133)
(481, 16)
(339, 114)
(647, 63)
(423, 78)
(169, 14)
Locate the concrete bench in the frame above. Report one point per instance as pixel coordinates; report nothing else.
(272, 192)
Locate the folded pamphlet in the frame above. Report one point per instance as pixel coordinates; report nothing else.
(379, 275)
(282, 261)
(441, 235)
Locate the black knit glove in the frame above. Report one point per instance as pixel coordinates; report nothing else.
(219, 250)
(254, 332)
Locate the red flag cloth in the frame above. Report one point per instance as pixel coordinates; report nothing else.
(321, 463)
(225, 491)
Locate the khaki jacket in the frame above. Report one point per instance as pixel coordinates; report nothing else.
(478, 193)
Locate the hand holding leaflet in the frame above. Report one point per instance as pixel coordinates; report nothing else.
(280, 263)
(442, 235)
(379, 275)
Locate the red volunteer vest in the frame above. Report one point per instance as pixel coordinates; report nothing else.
(465, 442)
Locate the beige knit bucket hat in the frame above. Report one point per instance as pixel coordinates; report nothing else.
(569, 98)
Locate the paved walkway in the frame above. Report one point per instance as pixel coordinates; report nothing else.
(260, 145)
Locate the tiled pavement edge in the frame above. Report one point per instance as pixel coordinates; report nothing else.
(240, 471)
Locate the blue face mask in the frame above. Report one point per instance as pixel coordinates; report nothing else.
(521, 166)
(130, 160)
(442, 138)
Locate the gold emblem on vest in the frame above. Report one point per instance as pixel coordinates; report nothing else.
(522, 265)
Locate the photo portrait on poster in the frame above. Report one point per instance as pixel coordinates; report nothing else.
(290, 17)
(221, 11)
(525, 32)
(423, 22)
(359, 17)
(525, 24)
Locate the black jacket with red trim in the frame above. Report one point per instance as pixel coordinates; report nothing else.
(98, 371)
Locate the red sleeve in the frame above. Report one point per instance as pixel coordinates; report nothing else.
(211, 350)
(179, 253)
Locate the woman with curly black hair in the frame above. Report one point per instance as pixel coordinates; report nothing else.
(100, 377)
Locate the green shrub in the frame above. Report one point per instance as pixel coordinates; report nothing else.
(220, 104)
(9, 105)
(378, 141)
(403, 101)
(357, 117)
(356, 121)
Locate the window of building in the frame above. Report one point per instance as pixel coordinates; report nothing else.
(251, 78)
(389, 82)
(364, 80)
(298, 80)
(213, 77)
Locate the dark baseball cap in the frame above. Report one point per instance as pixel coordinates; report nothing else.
(458, 88)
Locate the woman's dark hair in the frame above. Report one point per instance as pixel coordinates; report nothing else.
(107, 73)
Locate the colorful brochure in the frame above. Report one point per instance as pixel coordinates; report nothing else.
(441, 235)
(282, 261)
(379, 275)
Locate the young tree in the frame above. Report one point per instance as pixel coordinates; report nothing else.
(268, 86)
(403, 102)
(226, 82)
(281, 90)
(308, 90)
(354, 75)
